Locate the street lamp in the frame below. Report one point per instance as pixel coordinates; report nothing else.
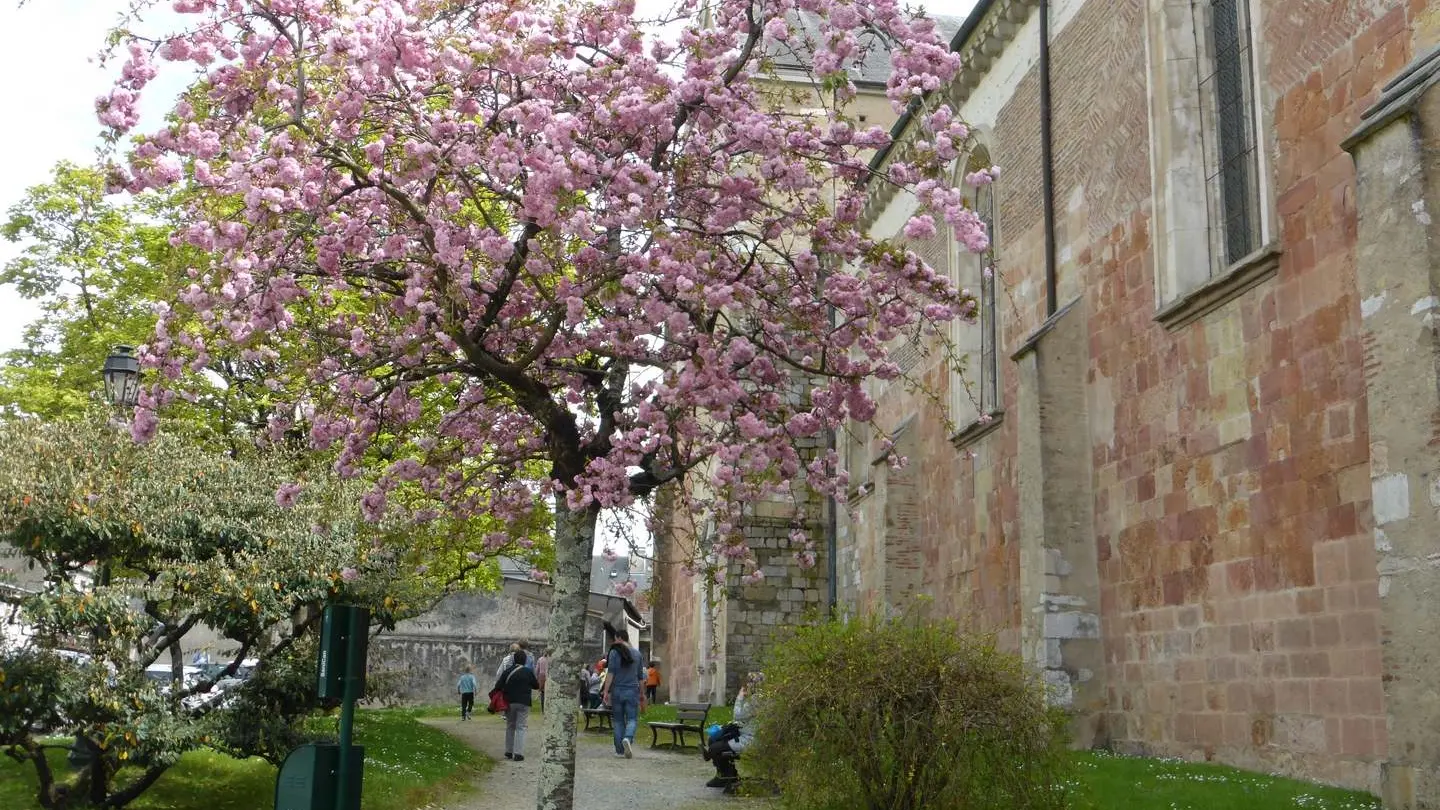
(122, 389)
(122, 377)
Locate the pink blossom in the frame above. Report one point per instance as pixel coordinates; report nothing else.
(373, 505)
(349, 574)
(287, 495)
(144, 425)
(921, 226)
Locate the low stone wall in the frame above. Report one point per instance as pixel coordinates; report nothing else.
(420, 661)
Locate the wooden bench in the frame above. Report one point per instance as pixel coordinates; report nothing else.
(602, 715)
(688, 717)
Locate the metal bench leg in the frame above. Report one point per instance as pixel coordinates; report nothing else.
(654, 736)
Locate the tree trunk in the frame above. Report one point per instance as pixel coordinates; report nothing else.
(574, 546)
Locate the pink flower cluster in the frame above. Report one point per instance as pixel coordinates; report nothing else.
(543, 249)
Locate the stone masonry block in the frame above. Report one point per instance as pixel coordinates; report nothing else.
(1072, 624)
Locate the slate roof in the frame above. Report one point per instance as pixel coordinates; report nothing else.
(873, 67)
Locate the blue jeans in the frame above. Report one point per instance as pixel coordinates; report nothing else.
(624, 716)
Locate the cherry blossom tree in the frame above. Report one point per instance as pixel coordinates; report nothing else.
(620, 258)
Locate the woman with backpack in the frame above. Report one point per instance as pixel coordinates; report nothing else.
(516, 684)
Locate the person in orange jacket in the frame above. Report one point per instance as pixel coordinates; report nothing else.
(652, 680)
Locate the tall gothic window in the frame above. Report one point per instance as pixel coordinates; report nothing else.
(1213, 218)
(975, 391)
(1227, 94)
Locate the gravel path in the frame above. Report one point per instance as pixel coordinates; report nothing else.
(657, 779)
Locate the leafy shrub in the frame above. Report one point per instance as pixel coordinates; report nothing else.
(266, 715)
(906, 714)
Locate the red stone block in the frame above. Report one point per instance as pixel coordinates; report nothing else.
(1185, 727)
(1360, 557)
(1326, 631)
(1367, 696)
(1309, 665)
(1331, 562)
(1357, 737)
(1294, 634)
(1360, 628)
(1209, 729)
(1263, 697)
(1297, 196)
(1292, 697)
(1237, 696)
(1275, 665)
(1310, 600)
(1341, 523)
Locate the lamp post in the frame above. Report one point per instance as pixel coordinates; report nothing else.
(122, 377)
(121, 374)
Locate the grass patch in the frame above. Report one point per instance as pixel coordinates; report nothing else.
(430, 711)
(1111, 782)
(663, 713)
(407, 765)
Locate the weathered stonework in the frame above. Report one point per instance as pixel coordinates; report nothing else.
(422, 658)
(1187, 498)
(1059, 579)
(756, 614)
(1397, 157)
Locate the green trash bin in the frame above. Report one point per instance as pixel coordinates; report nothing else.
(309, 776)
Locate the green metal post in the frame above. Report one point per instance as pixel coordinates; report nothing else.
(354, 672)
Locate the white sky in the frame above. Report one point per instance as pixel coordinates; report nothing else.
(47, 53)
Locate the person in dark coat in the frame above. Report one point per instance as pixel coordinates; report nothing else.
(517, 682)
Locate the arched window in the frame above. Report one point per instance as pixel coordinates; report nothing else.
(975, 391)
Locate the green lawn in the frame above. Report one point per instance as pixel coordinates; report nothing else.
(662, 713)
(407, 764)
(1110, 782)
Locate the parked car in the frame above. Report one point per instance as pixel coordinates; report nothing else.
(163, 675)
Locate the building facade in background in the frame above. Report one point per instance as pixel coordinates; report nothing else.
(1189, 467)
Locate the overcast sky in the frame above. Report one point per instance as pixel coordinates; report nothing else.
(47, 56)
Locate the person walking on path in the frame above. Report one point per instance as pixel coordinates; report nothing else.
(542, 667)
(652, 681)
(466, 687)
(517, 647)
(517, 684)
(622, 692)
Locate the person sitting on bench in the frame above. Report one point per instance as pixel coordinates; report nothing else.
(725, 747)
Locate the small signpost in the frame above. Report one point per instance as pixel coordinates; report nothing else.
(328, 776)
